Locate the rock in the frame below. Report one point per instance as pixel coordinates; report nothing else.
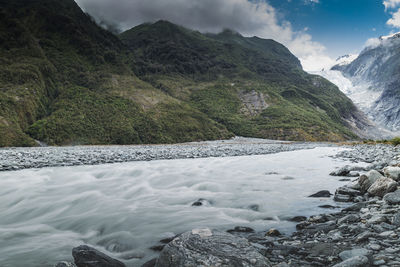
(323, 193)
(241, 229)
(366, 180)
(328, 207)
(344, 190)
(86, 256)
(342, 198)
(364, 236)
(205, 247)
(201, 202)
(382, 186)
(356, 207)
(273, 232)
(347, 254)
(65, 264)
(393, 198)
(298, 219)
(150, 263)
(392, 172)
(396, 219)
(345, 180)
(157, 247)
(356, 261)
(349, 171)
(377, 218)
(349, 219)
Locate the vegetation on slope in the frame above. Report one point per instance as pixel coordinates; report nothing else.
(64, 80)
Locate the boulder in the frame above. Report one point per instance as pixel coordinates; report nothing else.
(273, 232)
(205, 247)
(342, 198)
(382, 186)
(392, 172)
(344, 190)
(347, 254)
(356, 261)
(85, 256)
(393, 198)
(366, 180)
(349, 219)
(323, 193)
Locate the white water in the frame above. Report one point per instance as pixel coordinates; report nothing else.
(123, 209)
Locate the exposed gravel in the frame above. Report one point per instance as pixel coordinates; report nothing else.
(39, 157)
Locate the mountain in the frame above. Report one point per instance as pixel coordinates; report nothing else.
(64, 80)
(376, 72)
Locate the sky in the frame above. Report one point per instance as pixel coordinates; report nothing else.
(316, 31)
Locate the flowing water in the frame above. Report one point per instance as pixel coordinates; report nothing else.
(124, 208)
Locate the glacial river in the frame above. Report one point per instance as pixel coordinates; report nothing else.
(123, 209)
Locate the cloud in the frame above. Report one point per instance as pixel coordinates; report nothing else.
(249, 17)
(395, 20)
(391, 4)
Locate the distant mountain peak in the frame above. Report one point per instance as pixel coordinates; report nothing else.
(390, 37)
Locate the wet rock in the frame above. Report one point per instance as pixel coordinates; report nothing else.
(157, 247)
(377, 218)
(364, 236)
(298, 219)
(366, 180)
(349, 171)
(344, 190)
(342, 198)
(201, 202)
(241, 229)
(65, 264)
(392, 172)
(254, 207)
(345, 180)
(323, 193)
(328, 207)
(393, 198)
(150, 263)
(85, 256)
(382, 186)
(356, 261)
(273, 232)
(205, 247)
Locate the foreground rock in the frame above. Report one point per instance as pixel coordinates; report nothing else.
(382, 186)
(86, 256)
(205, 247)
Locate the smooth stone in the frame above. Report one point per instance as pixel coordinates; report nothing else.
(205, 247)
(273, 232)
(327, 207)
(396, 219)
(392, 172)
(393, 198)
(344, 190)
(347, 254)
(364, 236)
(378, 218)
(357, 261)
(366, 180)
(342, 198)
(323, 193)
(201, 202)
(356, 207)
(382, 186)
(85, 256)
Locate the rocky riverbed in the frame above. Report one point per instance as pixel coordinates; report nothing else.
(39, 157)
(365, 233)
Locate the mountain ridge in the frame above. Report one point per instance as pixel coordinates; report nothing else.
(67, 81)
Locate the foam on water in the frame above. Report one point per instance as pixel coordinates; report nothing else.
(125, 208)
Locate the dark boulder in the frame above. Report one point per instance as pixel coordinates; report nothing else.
(86, 256)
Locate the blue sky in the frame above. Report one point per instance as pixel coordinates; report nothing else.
(342, 26)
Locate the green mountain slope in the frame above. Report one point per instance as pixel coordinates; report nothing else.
(64, 80)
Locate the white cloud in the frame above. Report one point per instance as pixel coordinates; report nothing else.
(250, 18)
(395, 20)
(391, 4)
